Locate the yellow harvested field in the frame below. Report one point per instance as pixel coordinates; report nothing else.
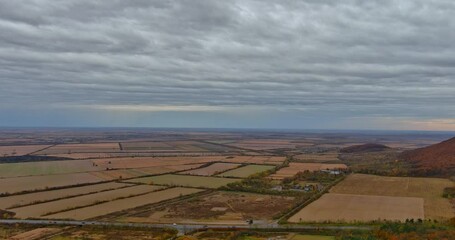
(24, 199)
(20, 184)
(295, 168)
(350, 208)
(38, 210)
(20, 150)
(123, 204)
(430, 189)
(81, 148)
(212, 169)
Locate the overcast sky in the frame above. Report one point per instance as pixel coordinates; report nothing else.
(348, 64)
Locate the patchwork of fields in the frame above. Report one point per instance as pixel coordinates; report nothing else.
(295, 168)
(212, 169)
(112, 178)
(29, 198)
(246, 171)
(123, 204)
(41, 209)
(186, 181)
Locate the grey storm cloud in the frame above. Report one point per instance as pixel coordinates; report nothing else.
(378, 57)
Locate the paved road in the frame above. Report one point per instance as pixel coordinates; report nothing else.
(182, 228)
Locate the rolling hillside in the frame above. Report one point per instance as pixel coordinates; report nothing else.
(439, 157)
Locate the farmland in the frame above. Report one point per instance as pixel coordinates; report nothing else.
(246, 171)
(46, 168)
(212, 169)
(24, 199)
(80, 148)
(294, 168)
(318, 157)
(430, 189)
(351, 208)
(20, 184)
(212, 178)
(41, 209)
(123, 204)
(222, 207)
(186, 181)
(20, 150)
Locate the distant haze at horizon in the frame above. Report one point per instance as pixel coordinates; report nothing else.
(374, 65)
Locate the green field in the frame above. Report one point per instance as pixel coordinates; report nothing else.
(45, 168)
(243, 172)
(185, 181)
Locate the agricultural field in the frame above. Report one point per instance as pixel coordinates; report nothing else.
(173, 146)
(29, 198)
(220, 207)
(246, 171)
(46, 168)
(212, 169)
(20, 184)
(295, 168)
(123, 204)
(80, 148)
(42, 209)
(118, 174)
(335, 207)
(20, 150)
(263, 144)
(185, 181)
(317, 157)
(269, 160)
(429, 189)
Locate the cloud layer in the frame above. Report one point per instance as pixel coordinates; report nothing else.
(329, 59)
